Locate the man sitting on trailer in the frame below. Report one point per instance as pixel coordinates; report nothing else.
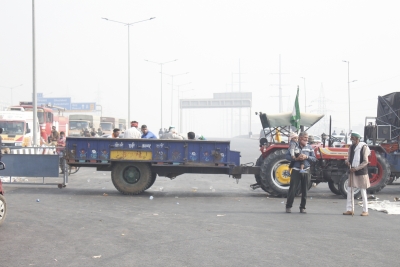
(115, 133)
(133, 132)
(146, 134)
(172, 134)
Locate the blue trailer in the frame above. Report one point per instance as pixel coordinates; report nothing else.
(135, 163)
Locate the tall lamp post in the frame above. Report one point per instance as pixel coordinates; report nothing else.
(172, 88)
(179, 109)
(129, 61)
(161, 65)
(11, 88)
(348, 89)
(305, 95)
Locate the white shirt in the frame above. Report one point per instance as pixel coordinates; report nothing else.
(132, 133)
(172, 135)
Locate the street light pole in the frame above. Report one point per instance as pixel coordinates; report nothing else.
(129, 61)
(172, 89)
(161, 73)
(179, 109)
(11, 88)
(305, 95)
(348, 89)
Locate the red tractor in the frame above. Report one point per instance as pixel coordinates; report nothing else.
(330, 167)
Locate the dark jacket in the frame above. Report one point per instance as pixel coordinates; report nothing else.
(306, 150)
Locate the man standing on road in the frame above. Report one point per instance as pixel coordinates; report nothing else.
(357, 161)
(133, 132)
(307, 156)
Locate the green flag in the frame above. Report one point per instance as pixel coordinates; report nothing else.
(295, 119)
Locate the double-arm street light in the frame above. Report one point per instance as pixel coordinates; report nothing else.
(129, 59)
(11, 88)
(161, 65)
(305, 95)
(348, 89)
(172, 88)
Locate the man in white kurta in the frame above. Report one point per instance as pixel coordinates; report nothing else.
(133, 132)
(358, 163)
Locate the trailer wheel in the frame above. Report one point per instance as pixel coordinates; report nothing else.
(153, 179)
(275, 174)
(334, 188)
(131, 178)
(3, 209)
(343, 187)
(391, 180)
(379, 180)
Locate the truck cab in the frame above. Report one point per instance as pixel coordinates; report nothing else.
(18, 128)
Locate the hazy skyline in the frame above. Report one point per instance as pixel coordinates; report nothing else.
(82, 56)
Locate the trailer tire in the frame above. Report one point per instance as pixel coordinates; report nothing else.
(153, 179)
(390, 180)
(3, 209)
(131, 178)
(379, 180)
(275, 174)
(334, 188)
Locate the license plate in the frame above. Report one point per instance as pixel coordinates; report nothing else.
(130, 155)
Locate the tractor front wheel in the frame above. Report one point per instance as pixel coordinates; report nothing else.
(334, 188)
(344, 190)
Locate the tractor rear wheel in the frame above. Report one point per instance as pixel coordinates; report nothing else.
(379, 180)
(334, 188)
(275, 174)
(258, 163)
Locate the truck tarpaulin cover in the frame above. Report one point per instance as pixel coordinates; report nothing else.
(389, 112)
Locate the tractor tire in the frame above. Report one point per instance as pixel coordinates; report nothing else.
(131, 178)
(379, 180)
(275, 174)
(334, 188)
(258, 163)
(3, 209)
(343, 187)
(391, 180)
(153, 179)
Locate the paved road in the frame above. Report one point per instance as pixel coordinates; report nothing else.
(194, 220)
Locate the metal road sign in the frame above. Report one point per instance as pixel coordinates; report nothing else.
(83, 106)
(63, 102)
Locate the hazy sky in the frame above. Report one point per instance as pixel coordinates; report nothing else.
(82, 56)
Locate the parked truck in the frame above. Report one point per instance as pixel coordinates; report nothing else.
(18, 128)
(47, 118)
(122, 125)
(79, 123)
(108, 124)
